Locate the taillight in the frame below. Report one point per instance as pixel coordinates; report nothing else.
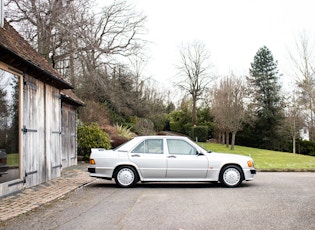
(92, 162)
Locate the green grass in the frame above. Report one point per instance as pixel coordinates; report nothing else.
(13, 159)
(267, 160)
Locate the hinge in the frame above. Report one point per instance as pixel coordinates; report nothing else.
(30, 173)
(57, 166)
(25, 130)
(56, 132)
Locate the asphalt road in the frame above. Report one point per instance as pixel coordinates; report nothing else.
(271, 201)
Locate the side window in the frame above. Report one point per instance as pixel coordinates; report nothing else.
(180, 147)
(139, 148)
(153, 146)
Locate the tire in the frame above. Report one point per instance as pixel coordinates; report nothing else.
(126, 177)
(231, 176)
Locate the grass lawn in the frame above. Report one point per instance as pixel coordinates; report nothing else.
(13, 159)
(266, 160)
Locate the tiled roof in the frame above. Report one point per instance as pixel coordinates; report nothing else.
(68, 96)
(18, 53)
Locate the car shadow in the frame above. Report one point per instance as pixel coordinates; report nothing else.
(172, 185)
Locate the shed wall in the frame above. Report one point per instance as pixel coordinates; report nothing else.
(47, 133)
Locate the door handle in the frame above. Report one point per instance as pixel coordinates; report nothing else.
(172, 156)
(135, 155)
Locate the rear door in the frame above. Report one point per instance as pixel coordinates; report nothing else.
(150, 158)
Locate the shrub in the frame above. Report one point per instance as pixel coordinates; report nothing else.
(200, 132)
(211, 128)
(91, 136)
(144, 126)
(123, 134)
(306, 148)
(175, 127)
(181, 128)
(123, 131)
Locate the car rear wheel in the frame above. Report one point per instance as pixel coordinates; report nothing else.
(231, 176)
(126, 177)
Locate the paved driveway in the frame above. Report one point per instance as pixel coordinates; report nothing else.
(272, 201)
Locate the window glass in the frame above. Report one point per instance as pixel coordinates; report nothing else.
(9, 125)
(152, 146)
(180, 147)
(139, 148)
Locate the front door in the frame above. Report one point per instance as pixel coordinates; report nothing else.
(184, 162)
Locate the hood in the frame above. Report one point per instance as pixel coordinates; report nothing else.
(230, 156)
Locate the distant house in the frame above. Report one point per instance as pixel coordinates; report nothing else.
(37, 115)
(304, 134)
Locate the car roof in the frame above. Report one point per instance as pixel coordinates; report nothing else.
(136, 140)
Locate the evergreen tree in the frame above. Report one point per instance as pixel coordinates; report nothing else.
(266, 99)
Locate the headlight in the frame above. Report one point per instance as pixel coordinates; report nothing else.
(250, 164)
(92, 162)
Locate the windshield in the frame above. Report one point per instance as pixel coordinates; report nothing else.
(208, 151)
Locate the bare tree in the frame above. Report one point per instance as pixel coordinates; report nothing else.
(194, 68)
(295, 119)
(304, 71)
(73, 37)
(228, 107)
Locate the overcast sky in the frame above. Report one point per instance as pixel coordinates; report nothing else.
(233, 31)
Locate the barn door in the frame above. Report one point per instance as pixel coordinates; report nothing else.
(73, 137)
(34, 162)
(68, 135)
(53, 127)
(65, 136)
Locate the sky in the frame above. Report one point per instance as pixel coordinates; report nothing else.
(232, 30)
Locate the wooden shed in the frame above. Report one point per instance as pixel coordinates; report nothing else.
(37, 116)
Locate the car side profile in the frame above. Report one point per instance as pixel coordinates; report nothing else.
(168, 159)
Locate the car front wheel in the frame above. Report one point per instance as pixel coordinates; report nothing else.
(231, 176)
(126, 177)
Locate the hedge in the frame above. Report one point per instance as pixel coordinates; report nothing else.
(199, 133)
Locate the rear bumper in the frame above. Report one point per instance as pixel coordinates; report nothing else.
(105, 173)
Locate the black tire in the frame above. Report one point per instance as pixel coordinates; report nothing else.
(231, 176)
(126, 177)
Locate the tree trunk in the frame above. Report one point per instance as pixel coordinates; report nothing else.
(294, 144)
(227, 137)
(223, 138)
(233, 140)
(194, 111)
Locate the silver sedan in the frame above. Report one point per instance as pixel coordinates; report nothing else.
(168, 158)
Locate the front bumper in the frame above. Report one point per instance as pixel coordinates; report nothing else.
(249, 174)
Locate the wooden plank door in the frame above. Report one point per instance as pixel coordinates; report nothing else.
(53, 130)
(34, 162)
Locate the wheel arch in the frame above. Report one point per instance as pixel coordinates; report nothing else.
(231, 164)
(127, 165)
